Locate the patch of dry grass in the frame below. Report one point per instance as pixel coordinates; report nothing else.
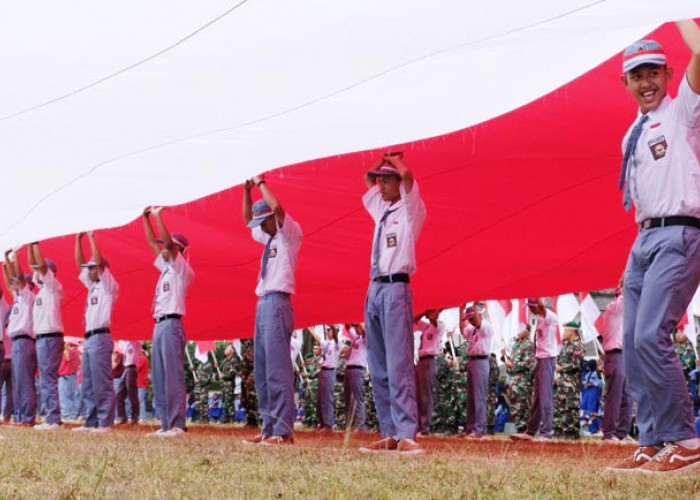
(211, 463)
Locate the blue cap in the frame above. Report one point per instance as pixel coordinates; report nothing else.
(643, 52)
(261, 211)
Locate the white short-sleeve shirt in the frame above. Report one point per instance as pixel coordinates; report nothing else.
(102, 296)
(282, 262)
(612, 325)
(330, 353)
(21, 317)
(358, 350)
(401, 228)
(132, 351)
(480, 339)
(176, 275)
(430, 337)
(546, 335)
(664, 172)
(47, 305)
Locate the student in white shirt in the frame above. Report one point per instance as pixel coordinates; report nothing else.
(546, 331)
(330, 353)
(21, 330)
(661, 175)
(103, 290)
(354, 379)
(48, 325)
(393, 201)
(168, 353)
(431, 333)
(281, 236)
(478, 331)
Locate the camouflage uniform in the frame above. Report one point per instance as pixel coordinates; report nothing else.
(521, 383)
(339, 395)
(492, 397)
(311, 391)
(444, 416)
(685, 353)
(248, 395)
(460, 385)
(205, 374)
(567, 392)
(229, 369)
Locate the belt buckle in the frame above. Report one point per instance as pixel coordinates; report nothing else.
(646, 224)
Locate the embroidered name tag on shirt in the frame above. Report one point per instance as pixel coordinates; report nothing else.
(15, 310)
(273, 252)
(166, 286)
(658, 146)
(93, 301)
(38, 302)
(391, 240)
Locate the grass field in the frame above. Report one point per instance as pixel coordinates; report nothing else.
(212, 463)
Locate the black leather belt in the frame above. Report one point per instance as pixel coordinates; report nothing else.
(328, 369)
(613, 351)
(354, 367)
(676, 220)
(23, 336)
(478, 357)
(427, 356)
(96, 331)
(129, 366)
(393, 278)
(168, 316)
(49, 335)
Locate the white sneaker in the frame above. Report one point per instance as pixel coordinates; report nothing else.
(82, 428)
(542, 439)
(46, 427)
(101, 430)
(175, 432)
(158, 433)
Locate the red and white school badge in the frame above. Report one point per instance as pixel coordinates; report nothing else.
(658, 147)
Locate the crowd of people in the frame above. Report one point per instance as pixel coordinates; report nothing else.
(403, 385)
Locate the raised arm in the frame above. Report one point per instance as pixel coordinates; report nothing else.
(6, 272)
(316, 337)
(36, 258)
(79, 256)
(691, 36)
(18, 273)
(247, 203)
(150, 233)
(270, 199)
(171, 248)
(96, 255)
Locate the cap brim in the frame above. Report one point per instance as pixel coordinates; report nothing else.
(256, 221)
(91, 263)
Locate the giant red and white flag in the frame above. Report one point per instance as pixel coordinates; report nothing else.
(176, 103)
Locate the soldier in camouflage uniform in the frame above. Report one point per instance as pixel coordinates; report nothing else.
(313, 366)
(205, 375)
(460, 384)
(230, 367)
(521, 366)
(248, 396)
(444, 416)
(684, 350)
(567, 391)
(492, 398)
